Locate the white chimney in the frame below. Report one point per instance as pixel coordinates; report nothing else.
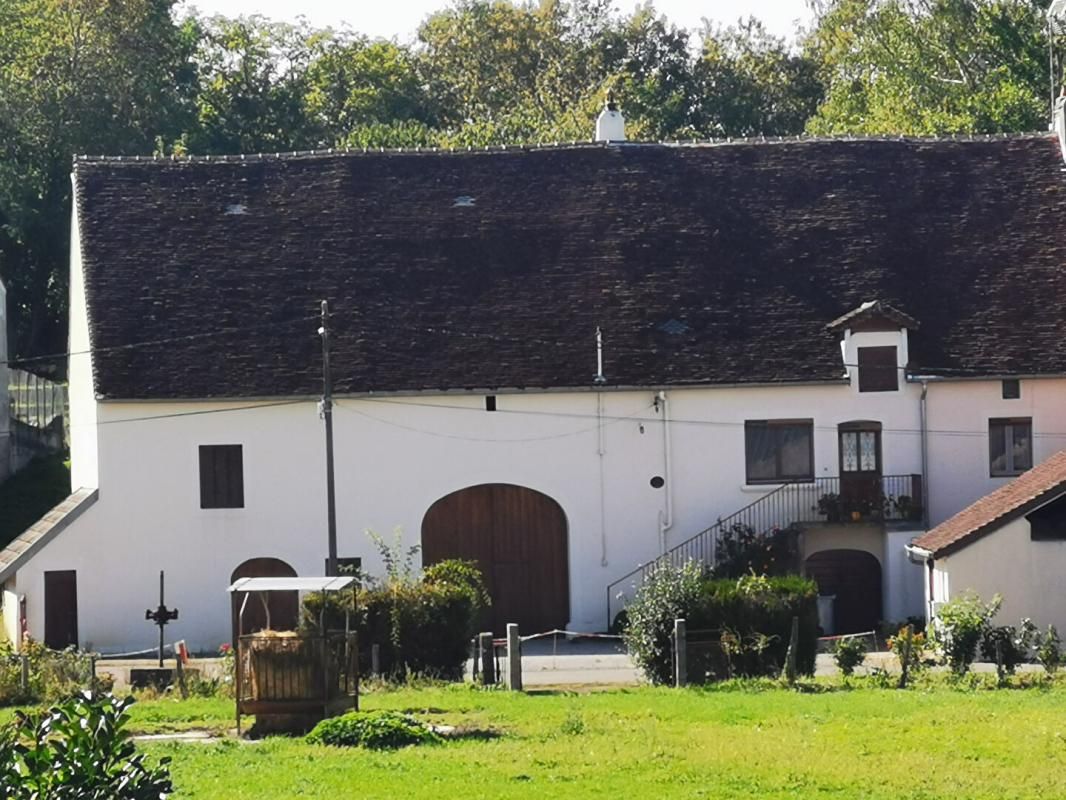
(610, 124)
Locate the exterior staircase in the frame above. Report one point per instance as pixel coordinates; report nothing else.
(884, 498)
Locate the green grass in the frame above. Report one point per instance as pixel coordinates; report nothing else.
(32, 493)
(657, 743)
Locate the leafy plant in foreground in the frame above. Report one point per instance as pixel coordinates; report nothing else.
(848, 653)
(78, 750)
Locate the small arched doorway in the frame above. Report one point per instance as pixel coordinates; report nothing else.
(518, 537)
(284, 606)
(854, 578)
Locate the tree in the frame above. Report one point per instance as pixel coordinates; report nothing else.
(931, 66)
(76, 76)
(751, 83)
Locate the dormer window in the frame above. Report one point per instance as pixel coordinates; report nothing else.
(878, 370)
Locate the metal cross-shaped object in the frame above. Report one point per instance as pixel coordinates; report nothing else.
(161, 616)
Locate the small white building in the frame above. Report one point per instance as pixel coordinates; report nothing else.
(855, 337)
(1011, 542)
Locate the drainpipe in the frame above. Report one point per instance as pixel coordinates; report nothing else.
(925, 456)
(600, 451)
(666, 517)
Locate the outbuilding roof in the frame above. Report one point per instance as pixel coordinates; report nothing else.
(22, 547)
(703, 264)
(1040, 485)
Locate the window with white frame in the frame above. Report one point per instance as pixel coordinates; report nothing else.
(777, 451)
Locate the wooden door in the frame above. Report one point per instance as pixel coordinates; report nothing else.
(854, 578)
(284, 607)
(860, 468)
(519, 539)
(61, 609)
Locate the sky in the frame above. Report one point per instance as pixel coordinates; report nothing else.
(400, 18)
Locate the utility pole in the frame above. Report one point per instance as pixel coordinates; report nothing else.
(327, 415)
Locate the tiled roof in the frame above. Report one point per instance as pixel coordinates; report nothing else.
(873, 309)
(1034, 488)
(44, 530)
(711, 264)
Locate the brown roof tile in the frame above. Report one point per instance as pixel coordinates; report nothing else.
(709, 264)
(1042, 483)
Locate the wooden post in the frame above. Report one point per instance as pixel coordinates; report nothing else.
(514, 658)
(680, 653)
(485, 654)
(1001, 673)
(24, 676)
(92, 673)
(791, 655)
(375, 659)
(905, 658)
(179, 672)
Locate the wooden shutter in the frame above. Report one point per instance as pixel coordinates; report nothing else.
(221, 476)
(878, 371)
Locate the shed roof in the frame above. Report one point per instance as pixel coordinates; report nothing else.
(1040, 485)
(708, 264)
(22, 547)
(309, 584)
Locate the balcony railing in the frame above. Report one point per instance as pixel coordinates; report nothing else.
(853, 499)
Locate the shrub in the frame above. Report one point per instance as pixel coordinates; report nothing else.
(1049, 650)
(752, 616)
(741, 551)
(668, 593)
(422, 626)
(376, 730)
(78, 749)
(962, 623)
(919, 646)
(848, 653)
(1012, 645)
(53, 674)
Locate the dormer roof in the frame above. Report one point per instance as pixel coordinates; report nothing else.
(873, 311)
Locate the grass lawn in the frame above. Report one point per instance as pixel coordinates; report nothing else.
(657, 743)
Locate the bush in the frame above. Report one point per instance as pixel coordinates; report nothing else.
(751, 615)
(376, 730)
(1012, 645)
(741, 551)
(1049, 650)
(53, 674)
(667, 593)
(849, 653)
(919, 645)
(78, 749)
(962, 623)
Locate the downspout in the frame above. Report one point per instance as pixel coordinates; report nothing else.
(600, 451)
(666, 517)
(925, 456)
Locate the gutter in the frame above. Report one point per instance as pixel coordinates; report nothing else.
(666, 517)
(924, 425)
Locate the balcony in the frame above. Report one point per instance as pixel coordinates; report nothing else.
(874, 498)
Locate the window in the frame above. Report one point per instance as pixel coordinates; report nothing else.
(1012, 389)
(859, 451)
(221, 476)
(878, 371)
(779, 450)
(1010, 446)
(490, 402)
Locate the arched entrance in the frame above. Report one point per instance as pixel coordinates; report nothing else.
(854, 577)
(518, 537)
(284, 606)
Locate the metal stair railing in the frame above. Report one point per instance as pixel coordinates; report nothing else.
(894, 497)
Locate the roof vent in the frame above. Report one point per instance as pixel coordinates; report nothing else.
(674, 327)
(610, 124)
(236, 209)
(463, 201)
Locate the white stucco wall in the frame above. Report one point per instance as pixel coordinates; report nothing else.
(1027, 574)
(83, 447)
(395, 457)
(958, 435)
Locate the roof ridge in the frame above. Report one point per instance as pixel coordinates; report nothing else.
(333, 152)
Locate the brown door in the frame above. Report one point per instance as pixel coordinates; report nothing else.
(854, 578)
(61, 609)
(860, 468)
(518, 537)
(284, 607)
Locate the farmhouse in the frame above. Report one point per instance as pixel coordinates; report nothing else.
(1011, 542)
(564, 362)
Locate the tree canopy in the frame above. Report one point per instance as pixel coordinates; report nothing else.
(125, 77)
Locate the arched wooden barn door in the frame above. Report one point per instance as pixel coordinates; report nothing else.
(284, 606)
(518, 537)
(854, 577)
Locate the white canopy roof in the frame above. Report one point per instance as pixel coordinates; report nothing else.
(291, 584)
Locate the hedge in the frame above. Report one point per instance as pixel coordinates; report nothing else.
(736, 627)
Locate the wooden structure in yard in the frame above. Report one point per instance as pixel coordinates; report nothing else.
(290, 680)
